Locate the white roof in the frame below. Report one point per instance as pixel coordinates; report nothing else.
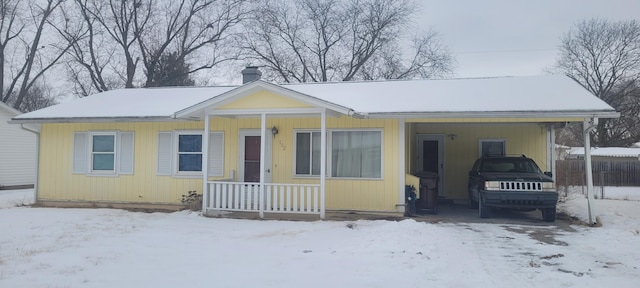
(10, 110)
(500, 94)
(469, 97)
(129, 103)
(608, 152)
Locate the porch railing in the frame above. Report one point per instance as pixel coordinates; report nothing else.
(277, 197)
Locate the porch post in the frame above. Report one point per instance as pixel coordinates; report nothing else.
(205, 163)
(263, 145)
(323, 161)
(401, 165)
(588, 126)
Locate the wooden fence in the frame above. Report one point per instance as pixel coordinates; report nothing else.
(605, 173)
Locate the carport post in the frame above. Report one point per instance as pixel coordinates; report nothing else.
(588, 126)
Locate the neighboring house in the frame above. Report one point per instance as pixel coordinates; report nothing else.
(343, 146)
(17, 152)
(617, 154)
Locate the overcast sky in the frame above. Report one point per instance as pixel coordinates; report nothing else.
(513, 37)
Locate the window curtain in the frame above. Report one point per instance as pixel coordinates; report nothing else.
(356, 154)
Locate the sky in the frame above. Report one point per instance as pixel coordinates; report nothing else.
(512, 37)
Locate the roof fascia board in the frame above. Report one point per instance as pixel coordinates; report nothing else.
(255, 86)
(509, 114)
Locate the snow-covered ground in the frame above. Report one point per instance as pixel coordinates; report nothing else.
(46, 247)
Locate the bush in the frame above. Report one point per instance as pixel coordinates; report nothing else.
(192, 201)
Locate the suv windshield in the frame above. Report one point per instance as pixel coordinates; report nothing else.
(519, 165)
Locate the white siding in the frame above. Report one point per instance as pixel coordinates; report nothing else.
(17, 152)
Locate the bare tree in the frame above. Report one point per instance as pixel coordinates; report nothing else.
(113, 21)
(140, 33)
(196, 31)
(38, 96)
(329, 40)
(604, 57)
(27, 50)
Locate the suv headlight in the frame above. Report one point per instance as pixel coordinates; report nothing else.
(548, 186)
(491, 185)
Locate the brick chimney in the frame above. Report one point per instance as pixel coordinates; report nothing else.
(250, 74)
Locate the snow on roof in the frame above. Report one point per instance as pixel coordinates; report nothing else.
(12, 111)
(546, 93)
(608, 152)
(513, 94)
(129, 103)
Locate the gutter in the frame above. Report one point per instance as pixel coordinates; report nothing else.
(35, 184)
(497, 114)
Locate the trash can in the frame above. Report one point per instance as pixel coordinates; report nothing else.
(428, 202)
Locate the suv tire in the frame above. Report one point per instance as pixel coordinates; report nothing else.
(472, 204)
(483, 210)
(549, 214)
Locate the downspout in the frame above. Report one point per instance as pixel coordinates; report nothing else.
(35, 184)
(588, 126)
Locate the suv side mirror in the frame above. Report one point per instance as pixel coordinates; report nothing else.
(473, 173)
(548, 173)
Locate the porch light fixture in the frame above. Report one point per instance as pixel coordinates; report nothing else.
(274, 131)
(452, 136)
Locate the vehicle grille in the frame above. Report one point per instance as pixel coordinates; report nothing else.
(520, 186)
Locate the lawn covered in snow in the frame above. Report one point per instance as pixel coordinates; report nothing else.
(47, 247)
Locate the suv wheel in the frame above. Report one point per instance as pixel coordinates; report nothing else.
(549, 214)
(472, 204)
(483, 210)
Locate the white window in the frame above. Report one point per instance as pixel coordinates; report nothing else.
(103, 152)
(180, 153)
(492, 147)
(189, 154)
(356, 154)
(307, 153)
(352, 153)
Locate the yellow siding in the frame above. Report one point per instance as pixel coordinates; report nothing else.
(342, 194)
(145, 186)
(461, 152)
(265, 100)
(56, 181)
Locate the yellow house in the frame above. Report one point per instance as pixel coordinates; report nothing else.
(299, 148)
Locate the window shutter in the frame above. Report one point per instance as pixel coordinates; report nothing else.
(165, 153)
(216, 154)
(80, 152)
(126, 153)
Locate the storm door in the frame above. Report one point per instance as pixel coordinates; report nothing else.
(429, 150)
(249, 160)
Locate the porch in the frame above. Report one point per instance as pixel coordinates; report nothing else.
(264, 198)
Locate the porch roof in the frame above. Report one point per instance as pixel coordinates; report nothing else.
(514, 97)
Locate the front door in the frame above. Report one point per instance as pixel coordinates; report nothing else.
(249, 157)
(430, 157)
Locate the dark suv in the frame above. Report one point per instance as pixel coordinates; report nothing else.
(511, 182)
